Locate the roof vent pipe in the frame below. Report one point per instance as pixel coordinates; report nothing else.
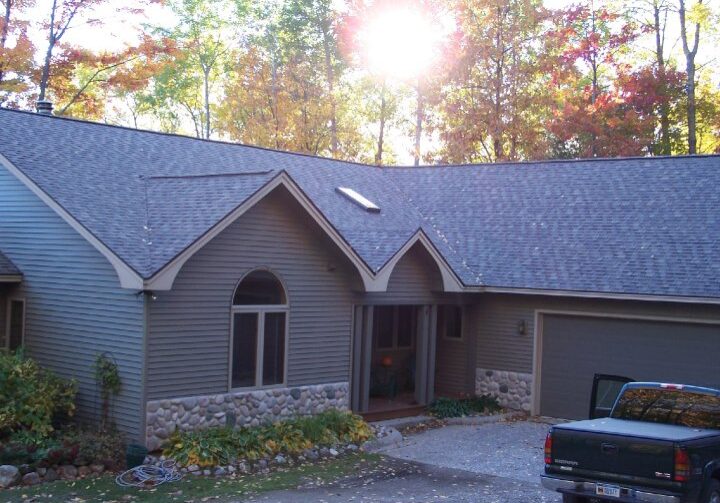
(44, 107)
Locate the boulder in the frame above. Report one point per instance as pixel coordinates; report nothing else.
(9, 476)
(50, 475)
(31, 479)
(84, 471)
(67, 472)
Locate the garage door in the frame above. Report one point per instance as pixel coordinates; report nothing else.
(574, 348)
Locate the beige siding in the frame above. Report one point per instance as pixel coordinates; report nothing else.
(496, 318)
(190, 325)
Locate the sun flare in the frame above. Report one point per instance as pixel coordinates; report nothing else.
(401, 43)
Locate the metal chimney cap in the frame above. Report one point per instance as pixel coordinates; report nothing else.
(44, 107)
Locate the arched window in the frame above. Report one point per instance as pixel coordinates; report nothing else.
(258, 331)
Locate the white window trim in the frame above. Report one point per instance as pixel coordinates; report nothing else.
(261, 310)
(445, 336)
(9, 319)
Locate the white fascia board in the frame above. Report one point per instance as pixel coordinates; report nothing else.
(11, 278)
(451, 283)
(163, 279)
(128, 277)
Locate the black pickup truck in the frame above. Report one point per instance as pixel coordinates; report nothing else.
(659, 443)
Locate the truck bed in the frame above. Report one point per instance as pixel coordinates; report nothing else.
(656, 431)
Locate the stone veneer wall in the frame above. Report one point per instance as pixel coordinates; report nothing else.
(249, 408)
(512, 389)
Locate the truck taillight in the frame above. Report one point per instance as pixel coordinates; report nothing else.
(682, 465)
(548, 448)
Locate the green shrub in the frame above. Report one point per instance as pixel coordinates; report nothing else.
(31, 397)
(444, 407)
(219, 446)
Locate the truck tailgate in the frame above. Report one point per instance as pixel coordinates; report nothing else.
(648, 458)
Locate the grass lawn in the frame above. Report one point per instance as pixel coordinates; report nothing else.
(192, 489)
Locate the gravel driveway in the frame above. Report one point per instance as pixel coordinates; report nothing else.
(505, 449)
(493, 463)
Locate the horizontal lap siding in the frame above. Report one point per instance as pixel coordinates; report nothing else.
(190, 325)
(75, 307)
(3, 319)
(455, 364)
(415, 280)
(500, 346)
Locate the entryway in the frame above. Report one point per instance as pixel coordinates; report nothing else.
(393, 359)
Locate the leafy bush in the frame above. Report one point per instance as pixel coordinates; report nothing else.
(219, 446)
(31, 397)
(73, 445)
(445, 407)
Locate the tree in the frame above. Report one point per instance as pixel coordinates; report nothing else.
(487, 110)
(16, 62)
(61, 16)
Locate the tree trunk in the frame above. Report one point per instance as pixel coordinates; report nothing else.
(690, 53)
(45, 77)
(418, 123)
(665, 148)
(379, 153)
(274, 91)
(330, 75)
(206, 75)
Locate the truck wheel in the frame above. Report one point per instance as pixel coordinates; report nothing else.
(713, 492)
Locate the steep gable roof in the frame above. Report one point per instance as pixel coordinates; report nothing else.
(638, 226)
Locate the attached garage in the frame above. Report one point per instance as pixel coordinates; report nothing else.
(571, 349)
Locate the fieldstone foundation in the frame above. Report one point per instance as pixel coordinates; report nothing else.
(243, 408)
(512, 389)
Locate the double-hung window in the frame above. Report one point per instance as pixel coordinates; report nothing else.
(259, 332)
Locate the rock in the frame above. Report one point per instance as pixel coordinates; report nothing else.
(243, 467)
(189, 403)
(98, 468)
(193, 468)
(84, 471)
(324, 452)
(42, 471)
(352, 447)
(67, 472)
(206, 472)
(333, 452)
(9, 476)
(312, 454)
(231, 469)
(50, 476)
(220, 471)
(280, 459)
(262, 464)
(31, 479)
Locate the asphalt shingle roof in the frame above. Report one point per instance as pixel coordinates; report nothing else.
(641, 225)
(7, 268)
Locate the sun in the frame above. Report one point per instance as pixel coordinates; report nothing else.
(401, 43)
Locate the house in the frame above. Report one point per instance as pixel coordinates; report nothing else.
(236, 284)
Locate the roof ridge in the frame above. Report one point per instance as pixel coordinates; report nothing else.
(356, 163)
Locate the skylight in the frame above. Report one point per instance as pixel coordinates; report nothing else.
(359, 199)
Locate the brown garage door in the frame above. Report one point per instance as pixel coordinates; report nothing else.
(574, 348)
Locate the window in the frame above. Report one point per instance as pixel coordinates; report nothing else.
(15, 324)
(449, 322)
(395, 326)
(259, 331)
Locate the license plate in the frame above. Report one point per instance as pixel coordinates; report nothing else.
(606, 490)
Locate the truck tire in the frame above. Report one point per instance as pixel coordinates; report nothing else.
(713, 495)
